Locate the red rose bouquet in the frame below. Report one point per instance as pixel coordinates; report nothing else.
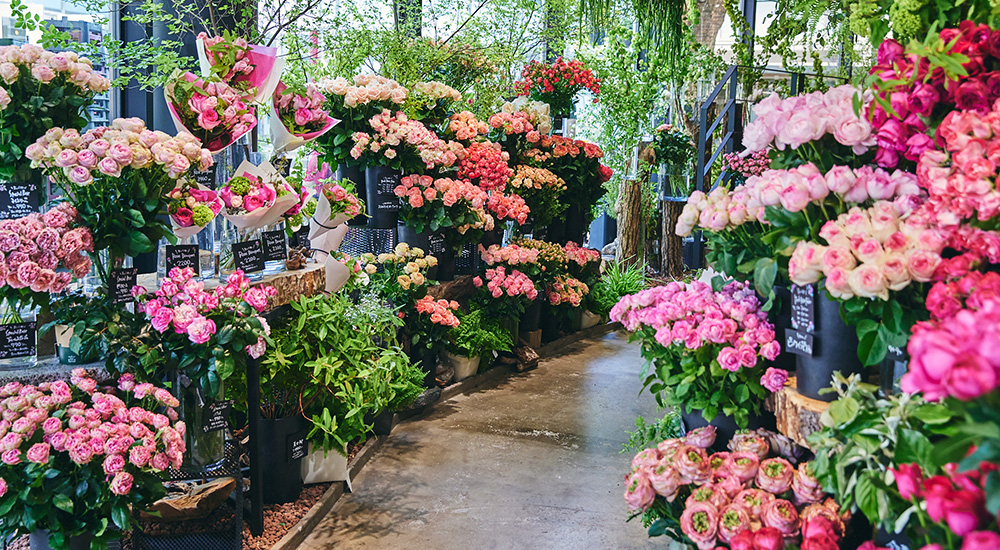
(557, 83)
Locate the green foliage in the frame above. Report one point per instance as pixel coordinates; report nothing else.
(95, 320)
(647, 435)
(477, 336)
(334, 362)
(863, 436)
(619, 279)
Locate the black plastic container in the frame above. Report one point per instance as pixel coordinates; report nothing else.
(725, 426)
(551, 325)
(603, 231)
(446, 263)
(780, 316)
(577, 224)
(357, 176)
(282, 475)
(408, 235)
(381, 422)
(835, 349)
(39, 540)
(531, 319)
(426, 360)
(382, 202)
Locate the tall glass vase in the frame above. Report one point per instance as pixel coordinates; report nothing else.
(18, 343)
(275, 246)
(205, 448)
(236, 245)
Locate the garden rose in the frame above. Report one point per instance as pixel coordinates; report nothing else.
(743, 465)
(692, 464)
(733, 520)
(781, 515)
(775, 475)
(700, 523)
(639, 493)
(701, 437)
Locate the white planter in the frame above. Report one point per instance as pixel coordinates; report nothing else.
(318, 467)
(464, 367)
(589, 319)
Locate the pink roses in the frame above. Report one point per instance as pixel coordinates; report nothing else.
(32, 248)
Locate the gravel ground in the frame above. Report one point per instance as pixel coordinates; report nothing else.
(279, 518)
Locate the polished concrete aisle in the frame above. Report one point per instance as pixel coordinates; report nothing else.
(532, 462)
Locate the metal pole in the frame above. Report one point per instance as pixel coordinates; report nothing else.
(253, 419)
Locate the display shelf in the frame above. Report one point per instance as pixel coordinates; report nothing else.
(797, 415)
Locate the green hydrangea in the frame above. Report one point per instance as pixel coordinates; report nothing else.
(309, 208)
(861, 14)
(904, 22)
(201, 215)
(294, 220)
(240, 185)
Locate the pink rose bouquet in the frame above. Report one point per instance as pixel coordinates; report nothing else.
(247, 193)
(298, 116)
(252, 69)
(342, 199)
(453, 207)
(741, 166)
(209, 109)
(508, 207)
(705, 345)
(110, 445)
(584, 263)
(512, 256)
(355, 103)
(192, 207)
(504, 293)
(465, 127)
(405, 144)
(566, 290)
(68, 83)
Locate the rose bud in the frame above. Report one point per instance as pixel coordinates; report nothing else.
(733, 520)
(743, 465)
(700, 523)
(692, 465)
(749, 441)
(806, 489)
(781, 515)
(701, 437)
(775, 475)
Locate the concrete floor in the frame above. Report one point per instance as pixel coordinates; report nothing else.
(532, 462)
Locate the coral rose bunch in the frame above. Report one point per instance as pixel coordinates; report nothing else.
(485, 164)
(440, 312)
(508, 206)
(709, 343)
(466, 127)
(504, 292)
(127, 145)
(581, 256)
(31, 67)
(110, 444)
(429, 323)
(566, 290)
(513, 257)
(190, 205)
(42, 253)
(870, 252)
(455, 207)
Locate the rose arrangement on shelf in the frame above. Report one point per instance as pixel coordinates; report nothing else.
(727, 497)
(583, 263)
(78, 458)
(557, 83)
(508, 207)
(741, 166)
(40, 254)
(354, 104)
(485, 165)
(566, 290)
(465, 127)
(298, 116)
(578, 163)
(209, 109)
(63, 83)
(453, 207)
(519, 124)
(512, 257)
(403, 273)
(551, 259)
(702, 345)
(541, 190)
(504, 293)
(431, 102)
(252, 69)
(429, 323)
(192, 207)
(404, 144)
(119, 190)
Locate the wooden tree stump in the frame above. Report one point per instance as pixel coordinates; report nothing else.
(630, 223)
(671, 246)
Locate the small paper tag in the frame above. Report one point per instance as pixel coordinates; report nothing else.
(122, 281)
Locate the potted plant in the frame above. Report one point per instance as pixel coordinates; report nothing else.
(700, 357)
(618, 280)
(427, 326)
(68, 487)
(674, 150)
(196, 340)
(477, 335)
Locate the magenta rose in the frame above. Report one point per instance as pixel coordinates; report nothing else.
(972, 95)
(701, 437)
(700, 523)
(781, 515)
(768, 538)
(252, 202)
(183, 217)
(258, 300)
(774, 379)
(692, 465)
(201, 330)
(981, 540)
(743, 465)
(775, 475)
(38, 453)
(733, 520)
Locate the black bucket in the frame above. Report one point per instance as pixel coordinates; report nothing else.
(835, 349)
(357, 176)
(446, 263)
(531, 319)
(725, 426)
(382, 202)
(282, 475)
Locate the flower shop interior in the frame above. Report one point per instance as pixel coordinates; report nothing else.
(509, 274)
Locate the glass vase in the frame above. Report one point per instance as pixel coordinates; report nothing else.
(675, 183)
(231, 236)
(18, 341)
(205, 450)
(275, 248)
(201, 257)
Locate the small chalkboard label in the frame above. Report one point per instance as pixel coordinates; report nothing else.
(436, 244)
(803, 308)
(896, 354)
(249, 256)
(798, 343)
(182, 255)
(302, 236)
(217, 416)
(17, 200)
(17, 340)
(206, 177)
(386, 191)
(122, 281)
(295, 447)
(274, 245)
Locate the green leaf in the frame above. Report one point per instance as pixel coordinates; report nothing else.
(764, 274)
(871, 347)
(658, 528)
(933, 414)
(843, 410)
(63, 502)
(866, 495)
(119, 514)
(912, 447)
(993, 493)
(135, 217)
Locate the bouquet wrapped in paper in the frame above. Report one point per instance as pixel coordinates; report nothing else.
(298, 117)
(192, 207)
(209, 109)
(252, 69)
(257, 196)
(337, 204)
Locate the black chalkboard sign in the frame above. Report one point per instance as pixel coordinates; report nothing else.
(17, 340)
(274, 245)
(436, 245)
(301, 237)
(206, 178)
(295, 447)
(386, 192)
(798, 343)
(122, 281)
(183, 255)
(804, 308)
(249, 256)
(217, 416)
(17, 200)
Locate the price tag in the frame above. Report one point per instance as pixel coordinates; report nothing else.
(302, 237)
(436, 245)
(17, 200)
(896, 354)
(249, 256)
(386, 193)
(798, 343)
(183, 255)
(206, 178)
(803, 308)
(274, 246)
(295, 447)
(17, 340)
(217, 416)
(122, 281)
